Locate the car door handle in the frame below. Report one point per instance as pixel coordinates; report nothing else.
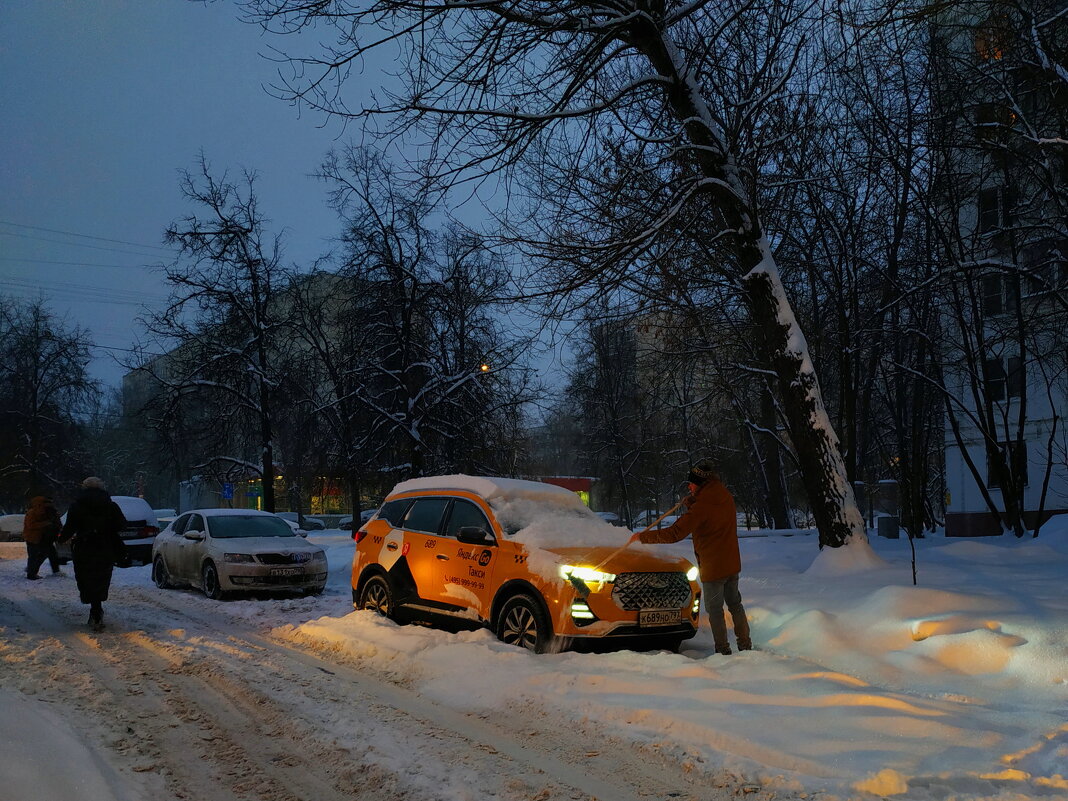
(391, 546)
(443, 557)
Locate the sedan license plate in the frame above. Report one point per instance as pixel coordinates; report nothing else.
(286, 571)
(659, 617)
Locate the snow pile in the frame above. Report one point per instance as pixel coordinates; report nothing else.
(853, 557)
(863, 685)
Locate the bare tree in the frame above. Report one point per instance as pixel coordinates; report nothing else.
(223, 328)
(497, 81)
(45, 391)
(428, 373)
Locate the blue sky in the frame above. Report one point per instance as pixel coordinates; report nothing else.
(103, 102)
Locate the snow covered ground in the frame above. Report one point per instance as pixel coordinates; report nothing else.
(863, 685)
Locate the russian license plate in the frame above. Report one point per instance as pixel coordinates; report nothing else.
(659, 617)
(286, 571)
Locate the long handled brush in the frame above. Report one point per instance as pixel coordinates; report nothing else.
(580, 586)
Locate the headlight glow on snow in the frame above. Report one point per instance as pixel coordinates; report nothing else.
(586, 574)
(692, 574)
(238, 557)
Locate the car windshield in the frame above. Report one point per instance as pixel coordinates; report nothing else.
(232, 526)
(516, 514)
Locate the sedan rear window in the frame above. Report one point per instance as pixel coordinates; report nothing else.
(233, 526)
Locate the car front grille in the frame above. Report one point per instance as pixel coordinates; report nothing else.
(298, 558)
(633, 591)
(277, 581)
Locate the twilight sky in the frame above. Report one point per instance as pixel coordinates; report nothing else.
(101, 103)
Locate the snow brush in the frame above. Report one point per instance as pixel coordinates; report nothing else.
(582, 588)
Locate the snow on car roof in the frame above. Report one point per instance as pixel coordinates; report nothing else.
(491, 487)
(226, 512)
(535, 513)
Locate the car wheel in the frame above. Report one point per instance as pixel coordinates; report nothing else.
(160, 575)
(377, 596)
(523, 622)
(314, 591)
(210, 582)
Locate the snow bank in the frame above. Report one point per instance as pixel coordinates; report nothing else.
(854, 557)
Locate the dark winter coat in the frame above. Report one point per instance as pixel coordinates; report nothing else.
(41, 524)
(94, 521)
(713, 521)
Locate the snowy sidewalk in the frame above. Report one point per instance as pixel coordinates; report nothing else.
(45, 761)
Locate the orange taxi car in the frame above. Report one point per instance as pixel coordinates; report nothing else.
(528, 560)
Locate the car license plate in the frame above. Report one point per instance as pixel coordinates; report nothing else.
(286, 571)
(659, 617)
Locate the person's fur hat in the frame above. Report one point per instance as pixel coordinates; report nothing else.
(93, 483)
(702, 472)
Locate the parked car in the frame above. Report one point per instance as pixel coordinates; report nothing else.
(528, 560)
(310, 523)
(142, 526)
(330, 520)
(345, 524)
(649, 516)
(610, 517)
(293, 526)
(221, 551)
(11, 528)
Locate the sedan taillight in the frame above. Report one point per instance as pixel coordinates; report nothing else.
(148, 531)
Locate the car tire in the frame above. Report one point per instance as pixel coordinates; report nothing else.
(523, 622)
(377, 596)
(161, 577)
(209, 577)
(314, 591)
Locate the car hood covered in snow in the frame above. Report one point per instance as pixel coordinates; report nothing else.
(264, 545)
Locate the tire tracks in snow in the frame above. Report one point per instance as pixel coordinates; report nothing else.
(582, 759)
(275, 720)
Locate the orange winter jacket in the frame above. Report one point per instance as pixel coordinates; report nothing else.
(713, 522)
(41, 524)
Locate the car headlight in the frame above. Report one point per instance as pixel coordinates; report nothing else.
(692, 574)
(586, 574)
(238, 557)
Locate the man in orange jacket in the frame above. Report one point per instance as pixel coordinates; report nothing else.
(712, 520)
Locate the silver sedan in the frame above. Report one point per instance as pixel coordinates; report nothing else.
(232, 550)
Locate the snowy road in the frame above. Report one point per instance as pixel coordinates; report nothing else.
(177, 702)
(863, 686)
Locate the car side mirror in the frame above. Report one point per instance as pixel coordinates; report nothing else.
(301, 532)
(474, 535)
(197, 536)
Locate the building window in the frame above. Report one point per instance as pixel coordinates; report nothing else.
(1003, 378)
(1017, 454)
(1001, 294)
(995, 209)
(1048, 275)
(992, 38)
(992, 120)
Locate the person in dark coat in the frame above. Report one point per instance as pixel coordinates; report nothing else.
(39, 529)
(94, 522)
(713, 521)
